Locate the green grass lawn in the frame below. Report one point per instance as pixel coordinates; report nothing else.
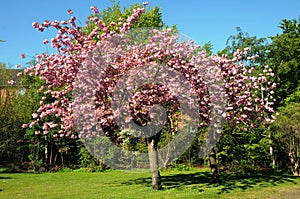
(125, 184)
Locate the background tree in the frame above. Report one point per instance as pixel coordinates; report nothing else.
(151, 18)
(281, 53)
(15, 110)
(208, 48)
(258, 47)
(284, 58)
(236, 140)
(114, 14)
(294, 97)
(286, 129)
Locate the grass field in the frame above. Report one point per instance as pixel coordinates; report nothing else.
(124, 184)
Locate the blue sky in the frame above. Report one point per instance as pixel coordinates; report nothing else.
(203, 21)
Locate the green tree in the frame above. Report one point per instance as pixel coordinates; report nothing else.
(243, 144)
(284, 58)
(294, 97)
(14, 111)
(242, 40)
(152, 18)
(238, 150)
(286, 130)
(208, 48)
(44, 150)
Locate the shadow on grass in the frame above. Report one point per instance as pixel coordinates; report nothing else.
(230, 181)
(4, 178)
(233, 181)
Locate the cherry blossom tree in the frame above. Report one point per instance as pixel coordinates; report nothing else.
(248, 97)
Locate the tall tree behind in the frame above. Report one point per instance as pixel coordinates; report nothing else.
(151, 18)
(284, 58)
(234, 139)
(14, 111)
(242, 40)
(287, 131)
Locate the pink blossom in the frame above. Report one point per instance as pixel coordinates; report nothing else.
(46, 41)
(64, 22)
(41, 28)
(145, 3)
(27, 70)
(73, 136)
(72, 21)
(269, 120)
(35, 24)
(55, 23)
(23, 56)
(70, 11)
(11, 82)
(59, 71)
(32, 124)
(244, 116)
(95, 9)
(34, 115)
(46, 24)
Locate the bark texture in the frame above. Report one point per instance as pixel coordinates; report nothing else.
(214, 166)
(153, 159)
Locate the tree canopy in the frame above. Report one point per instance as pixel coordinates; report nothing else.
(284, 58)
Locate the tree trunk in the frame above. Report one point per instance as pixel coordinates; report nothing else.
(272, 157)
(46, 154)
(51, 154)
(295, 163)
(214, 166)
(272, 151)
(153, 159)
